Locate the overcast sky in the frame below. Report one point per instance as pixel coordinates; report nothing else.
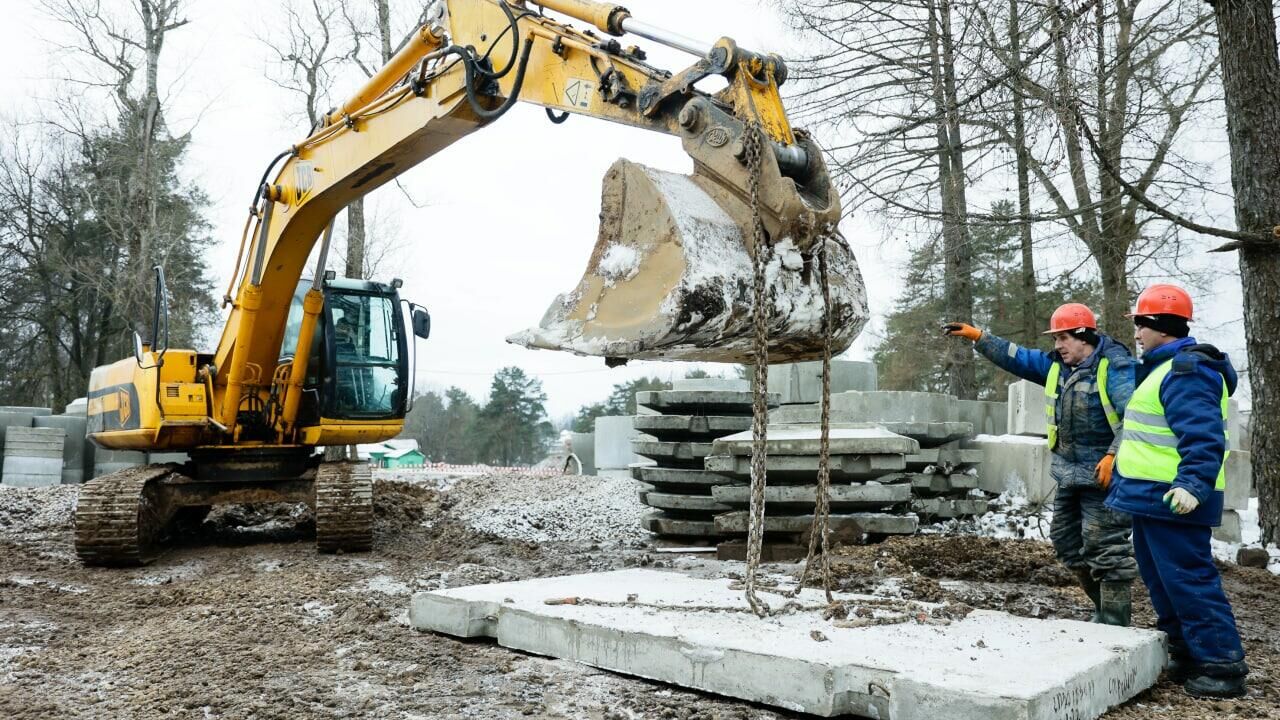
(510, 212)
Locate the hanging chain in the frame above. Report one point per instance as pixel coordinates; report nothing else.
(753, 142)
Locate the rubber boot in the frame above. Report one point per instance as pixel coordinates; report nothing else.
(1180, 667)
(1092, 589)
(1217, 680)
(1116, 604)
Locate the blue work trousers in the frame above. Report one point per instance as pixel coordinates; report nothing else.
(1176, 564)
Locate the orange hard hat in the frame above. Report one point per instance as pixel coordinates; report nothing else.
(1164, 299)
(1071, 316)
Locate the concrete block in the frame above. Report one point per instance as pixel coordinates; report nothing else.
(867, 522)
(939, 482)
(1026, 409)
(177, 458)
(1015, 464)
(804, 468)
(79, 406)
(685, 480)
(948, 458)
(949, 507)
(659, 523)
(14, 419)
(33, 456)
(720, 384)
(613, 437)
(73, 447)
(804, 497)
(987, 418)
(692, 427)
(23, 410)
(1229, 530)
(802, 382)
(883, 406)
(805, 440)
(928, 434)
(695, 633)
(700, 504)
(108, 461)
(1236, 429)
(700, 402)
(1239, 480)
(672, 454)
(584, 446)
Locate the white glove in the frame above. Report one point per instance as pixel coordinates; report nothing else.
(1180, 501)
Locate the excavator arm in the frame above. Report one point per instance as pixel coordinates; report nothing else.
(670, 276)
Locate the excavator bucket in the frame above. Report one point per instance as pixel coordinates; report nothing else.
(671, 278)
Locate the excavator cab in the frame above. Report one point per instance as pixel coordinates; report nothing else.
(358, 367)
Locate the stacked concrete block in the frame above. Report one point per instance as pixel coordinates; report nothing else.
(987, 418)
(1015, 464)
(613, 436)
(161, 458)
(24, 410)
(79, 406)
(108, 461)
(802, 382)
(1026, 411)
(1236, 496)
(10, 419)
(73, 447)
(33, 456)
(869, 496)
(676, 441)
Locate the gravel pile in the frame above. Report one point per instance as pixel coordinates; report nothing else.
(539, 508)
(33, 512)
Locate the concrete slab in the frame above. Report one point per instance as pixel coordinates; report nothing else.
(108, 461)
(1236, 430)
(804, 468)
(33, 456)
(703, 504)
(801, 439)
(1026, 414)
(79, 406)
(24, 410)
(692, 427)
(667, 453)
(584, 446)
(987, 418)
(613, 436)
(1229, 530)
(928, 434)
(720, 384)
(802, 382)
(692, 402)
(684, 480)
(697, 633)
(1015, 464)
(1239, 480)
(867, 522)
(804, 497)
(949, 507)
(73, 446)
(894, 406)
(660, 523)
(944, 459)
(938, 482)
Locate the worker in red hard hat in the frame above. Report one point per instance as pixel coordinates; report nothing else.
(1170, 476)
(1087, 380)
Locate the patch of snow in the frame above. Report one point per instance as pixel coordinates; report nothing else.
(185, 571)
(386, 585)
(1250, 536)
(619, 263)
(317, 611)
(1011, 439)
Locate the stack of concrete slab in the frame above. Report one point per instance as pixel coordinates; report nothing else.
(678, 436)
(869, 495)
(612, 445)
(943, 474)
(798, 383)
(74, 445)
(33, 456)
(1239, 484)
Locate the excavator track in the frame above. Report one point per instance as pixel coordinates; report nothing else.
(121, 517)
(344, 507)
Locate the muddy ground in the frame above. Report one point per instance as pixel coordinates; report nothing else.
(244, 620)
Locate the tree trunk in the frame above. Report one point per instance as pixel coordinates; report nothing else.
(1251, 88)
(355, 239)
(1030, 323)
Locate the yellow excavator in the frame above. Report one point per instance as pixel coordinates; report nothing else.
(677, 266)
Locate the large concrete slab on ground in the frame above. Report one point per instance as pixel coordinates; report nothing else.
(721, 384)
(804, 439)
(24, 410)
(1239, 480)
(613, 436)
(866, 496)
(936, 482)
(948, 458)
(1026, 410)
(987, 418)
(893, 406)
(804, 468)
(1015, 464)
(33, 456)
(702, 504)
(697, 633)
(949, 507)
(660, 523)
(687, 480)
(73, 446)
(692, 427)
(707, 402)
(865, 522)
(802, 382)
(666, 452)
(928, 434)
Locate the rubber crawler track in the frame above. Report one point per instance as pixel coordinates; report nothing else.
(344, 507)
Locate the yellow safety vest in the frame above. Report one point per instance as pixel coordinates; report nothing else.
(1148, 447)
(1051, 400)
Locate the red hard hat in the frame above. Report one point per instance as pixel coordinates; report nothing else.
(1071, 316)
(1164, 299)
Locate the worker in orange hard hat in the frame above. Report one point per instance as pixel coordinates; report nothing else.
(1170, 476)
(1087, 381)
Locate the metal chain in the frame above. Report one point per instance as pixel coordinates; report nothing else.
(753, 142)
(822, 508)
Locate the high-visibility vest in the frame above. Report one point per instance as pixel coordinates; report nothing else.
(1051, 400)
(1148, 447)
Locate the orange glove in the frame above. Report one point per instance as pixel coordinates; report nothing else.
(1102, 471)
(967, 332)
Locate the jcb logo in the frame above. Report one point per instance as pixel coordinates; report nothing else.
(124, 406)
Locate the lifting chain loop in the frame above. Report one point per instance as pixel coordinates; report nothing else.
(753, 142)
